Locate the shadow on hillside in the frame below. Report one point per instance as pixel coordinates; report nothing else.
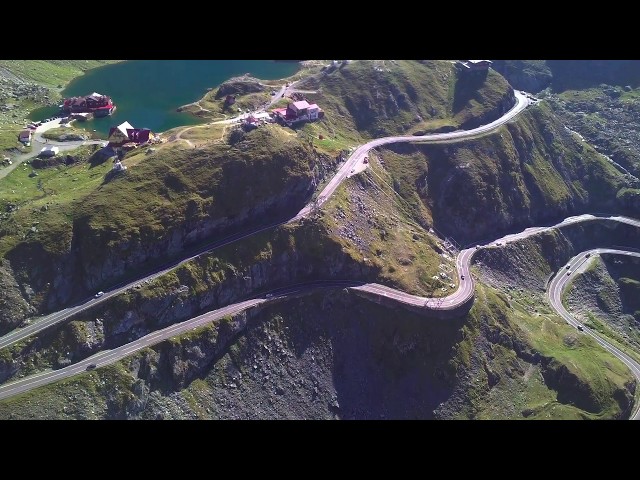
(100, 155)
(467, 86)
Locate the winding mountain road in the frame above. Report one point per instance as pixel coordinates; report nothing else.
(554, 294)
(463, 294)
(37, 325)
(107, 357)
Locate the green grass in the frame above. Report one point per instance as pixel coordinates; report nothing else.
(9, 139)
(52, 73)
(45, 200)
(526, 169)
(57, 133)
(379, 98)
(578, 378)
(157, 194)
(50, 76)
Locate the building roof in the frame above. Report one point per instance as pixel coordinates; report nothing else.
(139, 135)
(25, 133)
(124, 126)
(301, 105)
(313, 106)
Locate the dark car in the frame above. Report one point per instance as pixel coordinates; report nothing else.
(581, 328)
(462, 277)
(91, 366)
(587, 255)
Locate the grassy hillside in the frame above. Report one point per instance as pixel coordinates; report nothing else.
(97, 223)
(561, 75)
(380, 98)
(26, 85)
(335, 355)
(606, 298)
(52, 73)
(371, 98)
(530, 171)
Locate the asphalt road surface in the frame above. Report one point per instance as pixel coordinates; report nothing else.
(462, 294)
(37, 325)
(554, 293)
(107, 357)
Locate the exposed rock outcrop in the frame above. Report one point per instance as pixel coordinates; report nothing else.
(239, 86)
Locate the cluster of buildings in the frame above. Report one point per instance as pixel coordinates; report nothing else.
(125, 136)
(97, 104)
(297, 112)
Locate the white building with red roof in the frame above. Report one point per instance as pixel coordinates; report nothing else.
(296, 112)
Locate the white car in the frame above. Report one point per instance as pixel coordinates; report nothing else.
(99, 294)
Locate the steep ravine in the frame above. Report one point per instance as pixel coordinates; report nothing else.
(282, 257)
(334, 355)
(530, 172)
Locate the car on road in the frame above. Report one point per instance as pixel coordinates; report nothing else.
(568, 267)
(462, 277)
(268, 295)
(366, 160)
(273, 92)
(581, 328)
(91, 366)
(99, 294)
(587, 255)
(568, 273)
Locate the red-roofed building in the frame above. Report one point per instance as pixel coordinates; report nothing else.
(296, 112)
(125, 133)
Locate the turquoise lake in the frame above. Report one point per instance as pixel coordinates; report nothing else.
(147, 92)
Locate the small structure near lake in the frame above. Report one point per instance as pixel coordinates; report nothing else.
(125, 135)
(296, 112)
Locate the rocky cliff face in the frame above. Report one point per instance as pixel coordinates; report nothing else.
(605, 297)
(239, 86)
(98, 256)
(529, 263)
(529, 75)
(333, 355)
(14, 305)
(531, 172)
(203, 285)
